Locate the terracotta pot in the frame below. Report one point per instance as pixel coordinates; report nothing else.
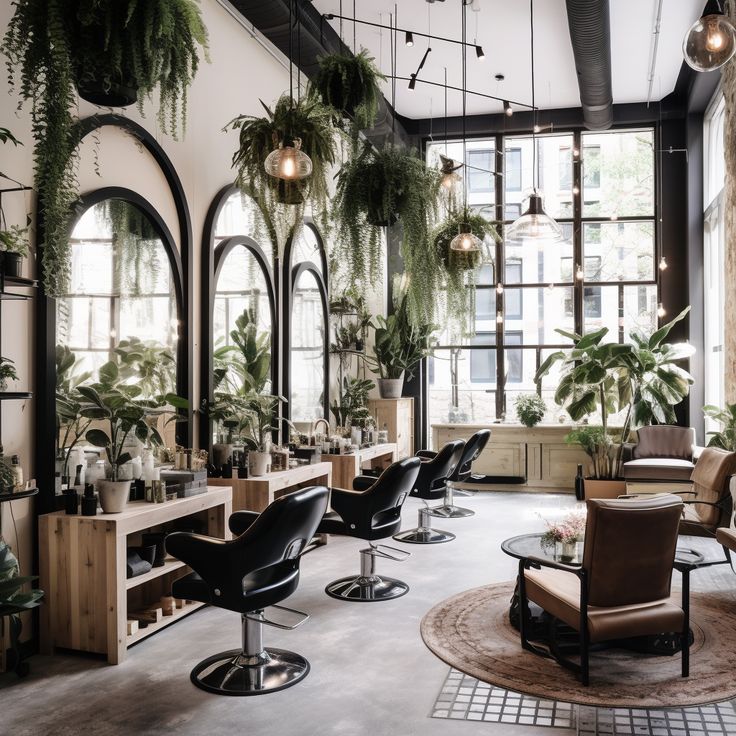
(594, 488)
(391, 388)
(258, 462)
(113, 495)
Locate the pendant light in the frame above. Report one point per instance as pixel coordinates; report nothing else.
(535, 223)
(288, 161)
(465, 241)
(709, 43)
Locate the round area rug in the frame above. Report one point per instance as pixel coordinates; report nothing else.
(471, 632)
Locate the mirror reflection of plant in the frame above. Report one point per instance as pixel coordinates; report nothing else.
(281, 203)
(53, 47)
(725, 438)
(380, 187)
(352, 408)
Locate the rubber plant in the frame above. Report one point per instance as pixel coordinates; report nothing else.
(457, 273)
(281, 203)
(102, 48)
(348, 84)
(377, 188)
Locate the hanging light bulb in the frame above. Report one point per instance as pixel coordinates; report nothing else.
(710, 43)
(661, 312)
(579, 273)
(507, 109)
(288, 161)
(576, 190)
(499, 319)
(449, 168)
(499, 288)
(662, 264)
(534, 224)
(465, 241)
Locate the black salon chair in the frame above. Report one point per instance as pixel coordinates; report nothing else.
(473, 447)
(430, 486)
(371, 511)
(257, 570)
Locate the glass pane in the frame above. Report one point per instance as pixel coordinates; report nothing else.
(640, 310)
(550, 382)
(619, 251)
(307, 357)
(618, 174)
(476, 175)
(554, 172)
(307, 249)
(457, 389)
(237, 217)
(601, 310)
(533, 262)
(538, 305)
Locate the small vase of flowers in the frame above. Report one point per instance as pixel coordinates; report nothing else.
(566, 536)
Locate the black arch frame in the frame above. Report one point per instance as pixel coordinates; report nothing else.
(46, 307)
(291, 275)
(212, 261)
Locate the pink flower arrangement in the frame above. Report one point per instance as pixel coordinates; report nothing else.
(570, 529)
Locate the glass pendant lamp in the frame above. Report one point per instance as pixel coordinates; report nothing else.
(535, 223)
(288, 161)
(710, 43)
(465, 241)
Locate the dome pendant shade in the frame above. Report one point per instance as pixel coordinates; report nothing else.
(288, 161)
(465, 241)
(710, 43)
(534, 224)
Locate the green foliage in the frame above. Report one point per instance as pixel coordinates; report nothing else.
(12, 598)
(281, 203)
(399, 345)
(7, 370)
(7, 477)
(7, 137)
(348, 83)
(456, 275)
(725, 438)
(530, 408)
(261, 420)
(53, 47)
(352, 408)
(14, 240)
(599, 446)
(153, 366)
(378, 188)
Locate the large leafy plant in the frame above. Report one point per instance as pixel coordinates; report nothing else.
(352, 408)
(348, 83)
(376, 188)
(96, 46)
(281, 203)
(246, 363)
(262, 420)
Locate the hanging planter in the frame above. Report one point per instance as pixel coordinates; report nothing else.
(113, 52)
(381, 187)
(348, 83)
(305, 127)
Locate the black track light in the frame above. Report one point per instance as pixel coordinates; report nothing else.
(507, 109)
(409, 39)
(479, 53)
(412, 82)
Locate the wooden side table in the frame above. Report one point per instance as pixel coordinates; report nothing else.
(83, 571)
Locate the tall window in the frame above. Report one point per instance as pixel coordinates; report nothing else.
(713, 254)
(603, 273)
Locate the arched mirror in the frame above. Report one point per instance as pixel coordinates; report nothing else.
(239, 332)
(306, 342)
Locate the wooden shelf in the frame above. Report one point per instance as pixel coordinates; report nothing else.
(155, 572)
(15, 395)
(185, 610)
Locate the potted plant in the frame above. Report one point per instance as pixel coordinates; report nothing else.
(7, 373)
(399, 346)
(352, 408)
(530, 409)
(229, 412)
(14, 248)
(565, 535)
(377, 188)
(120, 407)
(725, 438)
(348, 83)
(306, 124)
(261, 423)
(112, 51)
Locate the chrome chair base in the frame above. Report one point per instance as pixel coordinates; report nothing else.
(366, 589)
(451, 512)
(424, 536)
(230, 673)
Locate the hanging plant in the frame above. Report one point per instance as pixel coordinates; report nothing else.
(377, 188)
(108, 50)
(281, 203)
(459, 269)
(348, 83)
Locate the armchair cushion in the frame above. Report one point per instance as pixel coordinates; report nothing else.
(710, 481)
(661, 440)
(558, 593)
(659, 469)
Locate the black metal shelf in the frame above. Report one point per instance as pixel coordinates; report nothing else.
(15, 395)
(17, 281)
(20, 494)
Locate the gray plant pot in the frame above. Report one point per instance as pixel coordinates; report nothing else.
(390, 388)
(113, 495)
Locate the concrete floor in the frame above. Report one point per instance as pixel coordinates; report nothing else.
(371, 673)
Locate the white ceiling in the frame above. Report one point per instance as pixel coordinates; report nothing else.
(502, 29)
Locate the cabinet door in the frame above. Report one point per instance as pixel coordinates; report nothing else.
(405, 428)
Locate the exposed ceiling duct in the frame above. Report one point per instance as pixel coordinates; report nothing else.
(590, 34)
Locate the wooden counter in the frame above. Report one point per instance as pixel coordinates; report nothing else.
(347, 467)
(83, 571)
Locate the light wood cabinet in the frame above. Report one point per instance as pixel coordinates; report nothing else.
(345, 468)
(398, 416)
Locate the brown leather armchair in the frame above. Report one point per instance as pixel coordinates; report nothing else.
(662, 453)
(622, 589)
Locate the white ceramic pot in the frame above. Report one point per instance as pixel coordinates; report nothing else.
(258, 462)
(113, 495)
(390, 388)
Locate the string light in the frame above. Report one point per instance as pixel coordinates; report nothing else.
(499, 319)
(579, 275)
(662, 264)
(499, 288)
(661, 312)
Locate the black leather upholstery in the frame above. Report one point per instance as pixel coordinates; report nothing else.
(430, 483)
(258, 568)
(374, 513)
(473, 447)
